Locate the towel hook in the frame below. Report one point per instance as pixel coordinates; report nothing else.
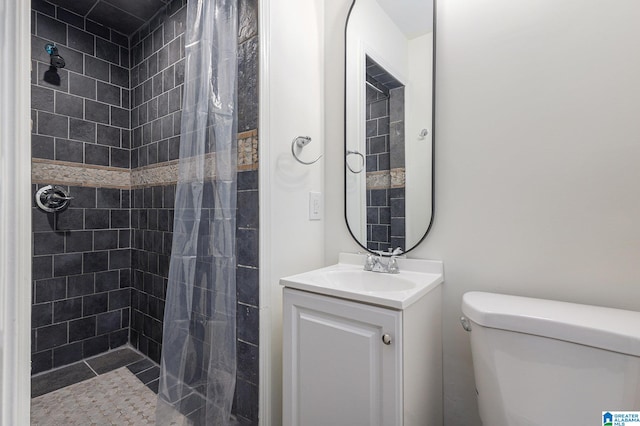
(301, 142)
(349, 152)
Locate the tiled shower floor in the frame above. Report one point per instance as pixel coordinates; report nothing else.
(113, 398)
(142, 367)
(118, 387)
(115, 388)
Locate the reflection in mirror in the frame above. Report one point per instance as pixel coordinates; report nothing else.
(385, 171)
(388, 123)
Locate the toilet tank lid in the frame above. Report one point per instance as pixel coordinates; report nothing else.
(606, 328)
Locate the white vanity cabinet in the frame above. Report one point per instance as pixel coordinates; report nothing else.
(352, 363)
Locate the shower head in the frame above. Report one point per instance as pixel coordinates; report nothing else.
(57, 61)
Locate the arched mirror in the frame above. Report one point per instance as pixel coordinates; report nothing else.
(389, 116)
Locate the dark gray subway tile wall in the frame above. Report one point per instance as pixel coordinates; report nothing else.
(384, 151)
(118, 103)
(81, 263)
(246, 397)
(246, 400)
(157, 82)
(75, 104)
(82, 275)
(398, 225)
(157, 77)
(378, 159)
(248, 65)
(397, 160)
(152, 221)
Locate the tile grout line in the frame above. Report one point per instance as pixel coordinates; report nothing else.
(87, 364)
(150, 381)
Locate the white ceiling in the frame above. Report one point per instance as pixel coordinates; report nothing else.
(413, 17)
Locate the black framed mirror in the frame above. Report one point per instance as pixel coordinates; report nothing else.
(389, 122)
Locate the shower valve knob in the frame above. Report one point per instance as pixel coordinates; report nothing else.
(52, 198)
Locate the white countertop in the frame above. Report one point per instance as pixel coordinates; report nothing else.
(348, 280)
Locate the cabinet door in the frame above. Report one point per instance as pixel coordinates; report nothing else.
(337, 369)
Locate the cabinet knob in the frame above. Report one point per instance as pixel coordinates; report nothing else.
(386, 339)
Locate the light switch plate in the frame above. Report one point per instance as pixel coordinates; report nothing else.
(315, 205)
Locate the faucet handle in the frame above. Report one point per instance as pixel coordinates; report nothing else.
(396, 252)
(369, 262)
(393, 266)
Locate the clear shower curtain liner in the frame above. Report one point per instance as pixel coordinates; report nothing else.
(198, 365)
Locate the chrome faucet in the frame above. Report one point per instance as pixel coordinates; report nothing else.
(377, 263)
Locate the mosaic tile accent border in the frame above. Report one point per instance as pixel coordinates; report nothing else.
(248, 150)
(384, 179)
(398, 177)
(158, 174)
(75, 174)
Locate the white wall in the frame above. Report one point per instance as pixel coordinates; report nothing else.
(418, 95)
(372, 32)
(291, 100)
(537, 155)
(337, 237)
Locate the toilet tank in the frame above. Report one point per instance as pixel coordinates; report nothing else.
(541, 362)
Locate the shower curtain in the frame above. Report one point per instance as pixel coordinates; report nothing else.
(198, 365)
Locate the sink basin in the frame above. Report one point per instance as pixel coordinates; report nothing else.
(361, 280)
(348, 280)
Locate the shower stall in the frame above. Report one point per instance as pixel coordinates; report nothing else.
(109, 83)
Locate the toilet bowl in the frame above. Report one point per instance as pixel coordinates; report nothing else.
(541, 362)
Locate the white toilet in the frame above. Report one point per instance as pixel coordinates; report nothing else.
(542, 362)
